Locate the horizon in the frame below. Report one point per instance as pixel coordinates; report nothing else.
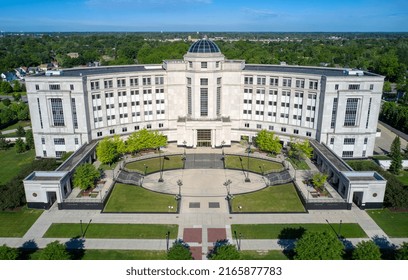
(296, 16)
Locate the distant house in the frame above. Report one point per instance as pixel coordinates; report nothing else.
(33, 70)
(8, 76)
(46, 66)
(20, 73)
(73, 54)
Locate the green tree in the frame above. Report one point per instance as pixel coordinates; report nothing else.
(5, 87)
(223, 250)
(8, 253)
(6, 102)
(17, 96)
(402, 253)
(318, 180)
(120, 145)
(366, 250)
(387, 86)
(179, 251)
(268, 142)
(29, 139)
(300, 150)
(21, 147)
(16, 86)
(85, 176)
(4, 144)
(20, 131)
(145, 139)
(54, 251)
(322, 245)
(106, 151)
(396, 156)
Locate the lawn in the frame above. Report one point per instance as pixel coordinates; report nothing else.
(129, 198)
(403, 177)
(263, 255)
(394, 224)
(11, 163)
(255, 165)
(14, 126)
(293, 231)
(279, 198)
(108, 167)
(114, 231)
(123, 255)
(299, 164)
(17, 223)
(153, 165)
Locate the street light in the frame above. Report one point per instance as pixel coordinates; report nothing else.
(145, 169)
(167, 240)
(222, 147)
(340, 229)
(247, 180)
(161, 167)
(179, 183)
(184, 143)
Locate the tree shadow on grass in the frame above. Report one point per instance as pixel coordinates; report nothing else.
(76, 246)
(287, 239)
(388, 249)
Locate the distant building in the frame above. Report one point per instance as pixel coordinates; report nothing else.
(73, 54)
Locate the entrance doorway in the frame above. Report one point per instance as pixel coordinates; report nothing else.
(52, 197)
(358, 198)
(204, 138)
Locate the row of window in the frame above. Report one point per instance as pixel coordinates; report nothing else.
(122, 82)
(124, 93)
(59, 141)
(204, 64)
(348, 141)
(286, 82)
(125, 129)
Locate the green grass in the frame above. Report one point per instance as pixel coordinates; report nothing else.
(17, 223)
(263, 255)
(381, 157)
(394, 224)
(153, 164)
(107, 167)
(11, 163)
(299, 164)
(123, 255)
(403, 177)
(129, 198)
(14, 126)
(114, 231)
(255, 165)
(280, 198)
(274, 231)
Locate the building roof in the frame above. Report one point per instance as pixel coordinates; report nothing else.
(204, 46)
(321, 71)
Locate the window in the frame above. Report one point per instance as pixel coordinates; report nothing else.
(189, 101)
(261, 80)
(121, 82)
(161, 125)
(99, 134)
(271, 127)
(247, 90)
(59, 154)
(300, 83)
(45, 153)
(112, 131)
(349, 141)
(219, 81)
(246, 125)
(54, 87)
(364, 153)
(124, 129)
(308, 134)
(94, 85)
(259, 126)
(371, 86)
(159, 80)
(37, 87)
(134, 82)
(336, 86)
(109, 94)
(248, 80)
(74, 113)
(217, 64)
(204, 82)
(365, 141)
(261, 113)
(273, 92)
(76, 141)
(296, 131)
(334, 113)
(203, 65)
(247, 101)
(39, 112)
(57, 112)
(148, 126)
(188, 81)
(134, 92)
(273, 81)
(190, 64)
(43, 140)
(59, 141)
(299, 94)
(311, 96)
(313, 84)
(147, 81)
(350, 117)
(71, 87)
(287, 82)
(218, 107)
(332, 141)
(203, 102)
(137, 127)
(354, 86)
(347, 154)
(368, 113)
(147, 91)
(260, 102)
(283, 129)
(108, 84)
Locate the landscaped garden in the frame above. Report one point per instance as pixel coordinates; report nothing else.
(294, 231)
(256, 165)
(394, 224)
(153, 164)
(279, 198)
(16, 223)
(298, 164)
(129, 198)
(118, 231)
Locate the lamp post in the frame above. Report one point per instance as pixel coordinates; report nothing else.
(161, 167)
(227, 185)
(145, 169)
(184, 143)
(222, 147)
(82, 230)
(340, 228)
(167, 240)
(247, 180)
(179, 183)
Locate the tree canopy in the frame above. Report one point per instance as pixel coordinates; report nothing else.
(366, 250)
(106, 151)
(396, 156)
(179, 251)
(223, 250)
(85, 176)
(8, 253)
(300, 149)
(322, 245)
(268, 142)
(145, 139)
(402, 253)
(54, 251)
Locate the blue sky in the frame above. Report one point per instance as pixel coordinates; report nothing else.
(205, 15)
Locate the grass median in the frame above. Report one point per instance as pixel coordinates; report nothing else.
(17, 223)
(256, 165)
(152, 165)
(394, 224)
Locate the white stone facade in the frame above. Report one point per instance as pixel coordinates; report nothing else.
(205, 100)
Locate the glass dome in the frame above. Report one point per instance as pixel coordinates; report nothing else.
(204, 46)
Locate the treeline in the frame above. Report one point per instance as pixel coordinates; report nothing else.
(383, 53)
(395, 115)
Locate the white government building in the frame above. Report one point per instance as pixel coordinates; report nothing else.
(206, 100)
